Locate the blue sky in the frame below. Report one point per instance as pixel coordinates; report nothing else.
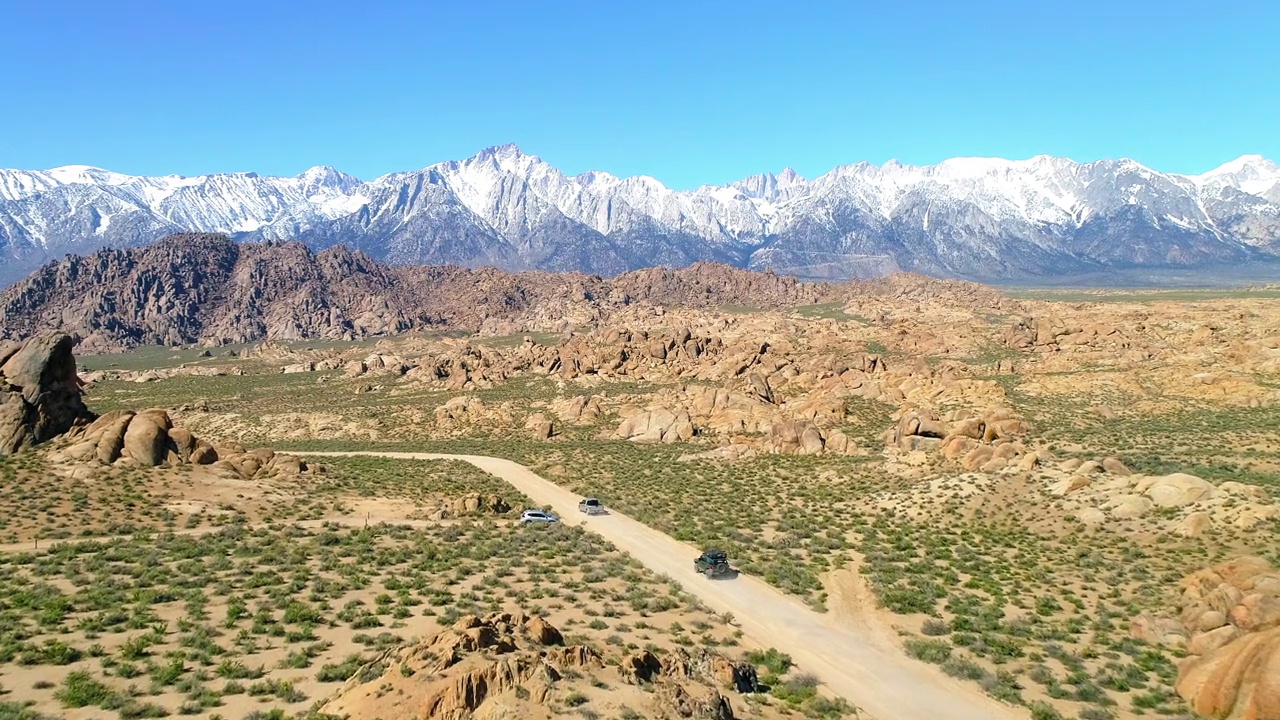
(688, 92)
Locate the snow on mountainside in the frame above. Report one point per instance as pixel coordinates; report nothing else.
(981, 218)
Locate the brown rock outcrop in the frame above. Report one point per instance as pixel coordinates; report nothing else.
(207, 289)
(1229, 620)
(477, 503)
(146, 439)
(986, 442)
(514, 664)
(1236, 681)
(40, 394)
(540, 426)
(150, 439)
(655, 426)
(796, 438)
(579, 410)
(1053, 333)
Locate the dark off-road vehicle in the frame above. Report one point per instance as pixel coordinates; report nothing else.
(712, 563)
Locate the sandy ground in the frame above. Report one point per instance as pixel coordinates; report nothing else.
(361, 520)
(853, 660)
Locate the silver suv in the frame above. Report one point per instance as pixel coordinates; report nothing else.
(537, 516)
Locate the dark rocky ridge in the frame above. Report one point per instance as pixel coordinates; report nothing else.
(192, 288)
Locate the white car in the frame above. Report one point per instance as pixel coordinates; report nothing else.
(537, 516)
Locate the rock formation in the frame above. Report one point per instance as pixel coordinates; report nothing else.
(1100, 490)
(1048, 334)
(513, 665)
(40, 393)
(149, 438)
(984, 441)
(473, 503)
(1229, 623)
(194, 288)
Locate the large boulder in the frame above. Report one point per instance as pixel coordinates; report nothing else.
(1237, 681)
(1175, 490)
(696, 702)
(40, 393)
(146, 441)
(1231, 612)
(149, 438)
(540, 426)
(183, 443)
(796, 437)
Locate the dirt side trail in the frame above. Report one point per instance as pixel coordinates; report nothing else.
(851, 661)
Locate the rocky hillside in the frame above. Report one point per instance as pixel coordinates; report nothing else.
(192, 288)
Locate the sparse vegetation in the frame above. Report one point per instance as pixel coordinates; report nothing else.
(154, 603)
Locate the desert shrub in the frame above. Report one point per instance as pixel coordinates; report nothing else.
(773, 660)
(80, 689)
(930, 651)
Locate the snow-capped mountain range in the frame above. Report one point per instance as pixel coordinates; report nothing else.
(979, 218)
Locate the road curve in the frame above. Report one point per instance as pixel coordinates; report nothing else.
(880, 680)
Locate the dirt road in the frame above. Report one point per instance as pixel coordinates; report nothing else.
(876, 677)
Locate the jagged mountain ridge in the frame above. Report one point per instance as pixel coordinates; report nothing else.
(207, 288)
(978, 218)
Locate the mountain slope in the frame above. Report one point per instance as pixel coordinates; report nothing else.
(191, 288)
(969, 217)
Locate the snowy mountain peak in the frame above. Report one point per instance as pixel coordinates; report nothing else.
(1246, 163)
(978, 217)
(322, 177)
(508, 151)
(320, 172)
(596, 178)
(85, 175)
(769, 187)
(1252, 174)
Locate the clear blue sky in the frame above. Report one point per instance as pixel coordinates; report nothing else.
(689, 92)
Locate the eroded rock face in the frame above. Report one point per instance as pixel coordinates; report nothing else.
(988, 441)
(1228, 620)
(1237, 681)
(1050, 333)
(149, 438)
(474, 668)
(40, 393)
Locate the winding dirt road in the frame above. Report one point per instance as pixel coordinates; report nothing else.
(871, 674)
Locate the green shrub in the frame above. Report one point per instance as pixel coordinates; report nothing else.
(930, 651)
(1044, 711)
(796, 690)
(773, 660)
(80, 689)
